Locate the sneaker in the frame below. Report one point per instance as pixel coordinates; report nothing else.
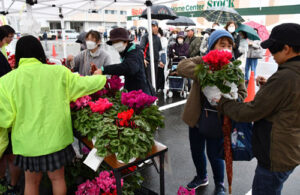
(220, 189)
(197, 182)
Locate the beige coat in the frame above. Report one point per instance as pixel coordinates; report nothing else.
(192, 109)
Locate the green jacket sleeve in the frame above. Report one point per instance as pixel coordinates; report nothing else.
(3, 140)
(7, 112)
(79, 86)
(267, 101)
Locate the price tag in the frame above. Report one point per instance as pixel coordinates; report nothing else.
(93, 160)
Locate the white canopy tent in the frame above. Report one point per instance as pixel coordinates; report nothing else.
(59, 9)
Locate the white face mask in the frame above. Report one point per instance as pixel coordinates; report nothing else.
(185, 33)
(120, 46)
(91, 45)
(180, 41)
(174, 36)
(231, 29)
(228, 50)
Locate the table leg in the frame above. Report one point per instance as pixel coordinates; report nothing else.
(118, 182)
(162, 174)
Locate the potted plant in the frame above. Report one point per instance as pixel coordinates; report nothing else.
(123, 123)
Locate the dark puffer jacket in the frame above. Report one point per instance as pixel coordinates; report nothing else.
(132, 67)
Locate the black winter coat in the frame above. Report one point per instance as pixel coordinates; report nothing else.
(4, 65)
(132, 67)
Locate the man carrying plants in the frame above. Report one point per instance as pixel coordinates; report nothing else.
(276, 112)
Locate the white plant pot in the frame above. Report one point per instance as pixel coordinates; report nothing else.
(120, 161)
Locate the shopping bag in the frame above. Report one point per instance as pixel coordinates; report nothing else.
(241, 142)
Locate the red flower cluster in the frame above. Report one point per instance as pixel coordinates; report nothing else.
(129, 170)
(217, 59)
(125, 117)
(11, 60)
(100, 105)
(48, 62)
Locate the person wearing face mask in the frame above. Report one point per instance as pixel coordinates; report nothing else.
(132, 62)
(198, 119)
(93, 55)
(180, 48)
(173, 38)
(231, 26)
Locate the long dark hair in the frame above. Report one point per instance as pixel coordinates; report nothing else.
(29, 47)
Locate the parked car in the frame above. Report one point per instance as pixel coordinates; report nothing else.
(71, 34)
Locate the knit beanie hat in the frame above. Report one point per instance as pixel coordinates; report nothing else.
(215, 36)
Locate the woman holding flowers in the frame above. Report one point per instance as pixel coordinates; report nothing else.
(35, 101)
(205, 126)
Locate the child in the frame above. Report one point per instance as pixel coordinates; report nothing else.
(34, 101)
(220, 40)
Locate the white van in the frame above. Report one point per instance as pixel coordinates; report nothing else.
(71, 34)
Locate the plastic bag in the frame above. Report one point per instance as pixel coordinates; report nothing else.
(29, 26)
(233, 94)
(212, 93)
(3, 140)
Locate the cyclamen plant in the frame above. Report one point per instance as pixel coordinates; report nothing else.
(216, 70)
(123, 123)
(137, 99)
(104, 184)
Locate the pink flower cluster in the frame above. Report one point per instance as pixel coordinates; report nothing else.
(184, 191)
(105, 183)
(114, 83)
(137, 99)
(81, 102)
(100, 105)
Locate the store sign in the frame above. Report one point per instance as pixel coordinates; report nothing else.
(136, 12)
(188, 8)
(220, 3)
(210, 3)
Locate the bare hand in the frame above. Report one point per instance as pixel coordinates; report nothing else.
(161, 65)
(93, 68)
(260, 80)
(70, 58)
(98, 72)
(146, 63)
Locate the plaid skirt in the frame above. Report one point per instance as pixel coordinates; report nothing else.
(50, 162)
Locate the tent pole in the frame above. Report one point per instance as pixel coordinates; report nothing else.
(150, 38)
(3, 5)
(62, 22)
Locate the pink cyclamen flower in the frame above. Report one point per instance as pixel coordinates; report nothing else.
(101, 105)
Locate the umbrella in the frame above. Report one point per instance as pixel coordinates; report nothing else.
(251, 33)
(113, 27)
(160, 12)
(227, 150)
(133, 28)
(222, 15)
(181, 21)
(263, 33)
(81, 37)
